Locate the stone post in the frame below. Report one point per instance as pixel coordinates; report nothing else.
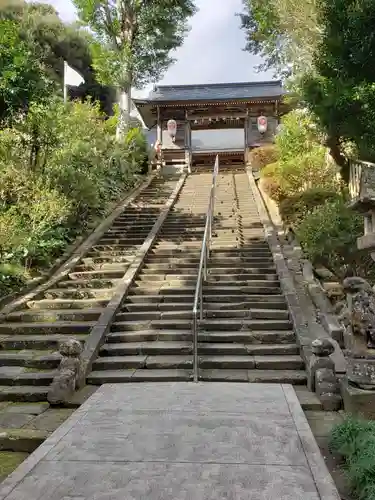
(322, 378)
(70, 373)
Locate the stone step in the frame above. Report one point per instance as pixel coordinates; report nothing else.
(94, 255)
(169, 277)
(211, 301)
(262, 338)
(218, 361)
(158, 306)
(12, 376)
(88, 283)
(142, 361)
(103, 266)
(249, 313)
(65, 304)
(122, 376)
(70, 327)
(30, 359)
(169, 289)
(255, 337)
(221, 348)
(45, 341)
(256, 279)
(145, 348)
(236, 281)
(23, 393)
(54, 315)
(241, 268)
(103, 274)
(125, 241)
(293, 377)
(78, 293)
(153, 315)
(158, 299)
(167, 270)
(244, 324)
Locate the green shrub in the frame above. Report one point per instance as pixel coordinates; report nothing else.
(298, 136)
(294, 209)
(354, 440)
(270, 182)
(59, 166)
(328, 236)
(263, 156)
(12, 277)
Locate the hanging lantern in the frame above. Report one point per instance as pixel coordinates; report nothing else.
(172, 128)
(262, 124)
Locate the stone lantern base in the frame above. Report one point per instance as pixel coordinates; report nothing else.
(359, 402)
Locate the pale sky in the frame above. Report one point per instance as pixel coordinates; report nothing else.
(212, 53)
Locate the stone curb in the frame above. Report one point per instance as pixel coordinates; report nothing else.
(323, 480)
(306, 327)
(71, 256)
(101, 328)
(317, 295)
(24, 440)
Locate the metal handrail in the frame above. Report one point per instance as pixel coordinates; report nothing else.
(202, 271)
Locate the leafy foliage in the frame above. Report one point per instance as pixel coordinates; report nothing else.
(354, 439)
(294, 209)
(55, 175)
(21, 75)
(283, 32)
(328, 236)
(39, 42)
(302, 163)
(133, 41)
(263, 156)
(340, 91)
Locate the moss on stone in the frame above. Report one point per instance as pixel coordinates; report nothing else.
(9, 461)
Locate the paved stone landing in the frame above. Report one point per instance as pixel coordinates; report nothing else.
(179, 441)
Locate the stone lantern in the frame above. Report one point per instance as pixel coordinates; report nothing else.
(357, 312)
(362, 194)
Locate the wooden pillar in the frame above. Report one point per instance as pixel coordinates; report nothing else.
(188, 147)
(159, 136)
(246, 137)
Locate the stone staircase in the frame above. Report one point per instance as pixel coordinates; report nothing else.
(29, 337)
(150, 338)
(246, 334)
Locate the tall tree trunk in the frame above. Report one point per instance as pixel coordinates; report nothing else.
(124, 100)
(333, 144)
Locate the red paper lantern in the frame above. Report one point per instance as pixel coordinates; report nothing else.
(172, 127)
(262, 124)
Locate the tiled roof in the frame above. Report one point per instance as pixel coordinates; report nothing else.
(217, 91)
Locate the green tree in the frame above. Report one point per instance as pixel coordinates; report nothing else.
(22, 78)
(283, 32)
(52, 41)
(341, 89)
(134, 40)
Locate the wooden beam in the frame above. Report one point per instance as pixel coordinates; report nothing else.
(214, 115)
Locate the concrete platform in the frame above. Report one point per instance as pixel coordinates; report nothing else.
(179, 441)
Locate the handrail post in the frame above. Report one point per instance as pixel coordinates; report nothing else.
(195, 347)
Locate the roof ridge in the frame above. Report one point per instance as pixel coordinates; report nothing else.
(217, 85)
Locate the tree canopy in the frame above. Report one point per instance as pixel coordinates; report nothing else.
(326, 49)
(35, 43)
(134, 40)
